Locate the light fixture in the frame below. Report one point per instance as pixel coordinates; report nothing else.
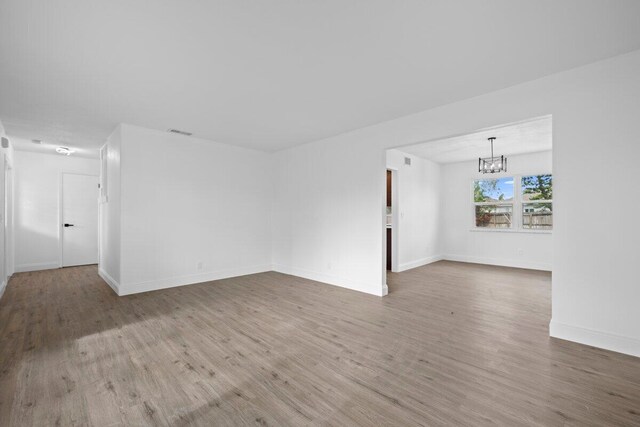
(492, 164)
(65, 150)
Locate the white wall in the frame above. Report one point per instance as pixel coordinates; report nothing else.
(6, 214)
(330, 195)
(419, 209)
(191, 210)
(329, 213)
(462, 242)
(110, 211)
(37, 206)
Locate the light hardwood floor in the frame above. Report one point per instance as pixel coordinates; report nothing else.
(452, 344)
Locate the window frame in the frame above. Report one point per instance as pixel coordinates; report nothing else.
(518, 203)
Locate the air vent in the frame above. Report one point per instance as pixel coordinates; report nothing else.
(407, 161)
(5, 142)
(180, 132)
(36, 141)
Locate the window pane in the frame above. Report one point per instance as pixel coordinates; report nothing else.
(494, 216)
(537, 187)
(493, 190)
(537, 216)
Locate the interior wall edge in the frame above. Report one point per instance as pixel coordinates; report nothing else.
(498, 262)
(173, 282)
(113, 284)
(595, 338)
(24, 268)
(419, 263)
(329, 279)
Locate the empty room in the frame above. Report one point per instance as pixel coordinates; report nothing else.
(336, 213)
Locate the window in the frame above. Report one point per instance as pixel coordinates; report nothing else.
(493, 199)
(537, 202)
(520, 203)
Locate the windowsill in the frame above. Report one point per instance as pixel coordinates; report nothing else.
(510, 230)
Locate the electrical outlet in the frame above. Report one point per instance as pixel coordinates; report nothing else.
(520, 251)
(199, 265)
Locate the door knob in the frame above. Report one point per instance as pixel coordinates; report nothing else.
(68, 225)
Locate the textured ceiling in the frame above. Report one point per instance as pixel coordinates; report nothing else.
(517, 138)
(274, 74)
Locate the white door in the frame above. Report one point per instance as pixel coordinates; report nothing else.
(79, 219)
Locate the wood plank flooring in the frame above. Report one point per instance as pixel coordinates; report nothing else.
(452, 344)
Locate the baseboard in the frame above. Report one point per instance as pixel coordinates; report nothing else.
(418, 263)
(3, 286)
(328, 279)
(172, 282)
(594, 338)
(499, 262)
(22, 268)
(110, 280)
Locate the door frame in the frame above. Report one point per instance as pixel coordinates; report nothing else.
(395, 225)
(395, 219)
(60, 210)
(8, 219)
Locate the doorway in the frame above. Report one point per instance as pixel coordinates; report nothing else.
(391, 220)
(79, 217)
(389, 223)
(7, 261)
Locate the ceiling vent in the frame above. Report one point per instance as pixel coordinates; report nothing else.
(179, 132)
(407, 161)
(37, 141)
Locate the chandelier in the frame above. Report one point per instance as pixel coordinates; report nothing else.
(492, 164)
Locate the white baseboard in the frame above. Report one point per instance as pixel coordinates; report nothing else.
(499, 262)
(172, 282)
(617, 343)
(3, 286)
(418, 263)
(329, 279)
(21, 268)
(110, 280)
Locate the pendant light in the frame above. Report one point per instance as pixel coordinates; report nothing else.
(492, 164)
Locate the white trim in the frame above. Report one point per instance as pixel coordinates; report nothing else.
(395, 221)
(594, 338)
(419, 263)
(385, 290)
(511, 230)
(36, 266)
(60, 227)
(3, 286)
(61, 219)
(172, 282)
(499, 262)
(110, 280)
(328, 279)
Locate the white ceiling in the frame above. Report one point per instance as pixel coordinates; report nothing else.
(273, 74)
(517, 138)
(48, 147)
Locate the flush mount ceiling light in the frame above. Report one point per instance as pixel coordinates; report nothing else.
(65, 150)
(492, 164)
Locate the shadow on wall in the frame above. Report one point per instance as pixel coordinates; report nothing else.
(35, 250)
